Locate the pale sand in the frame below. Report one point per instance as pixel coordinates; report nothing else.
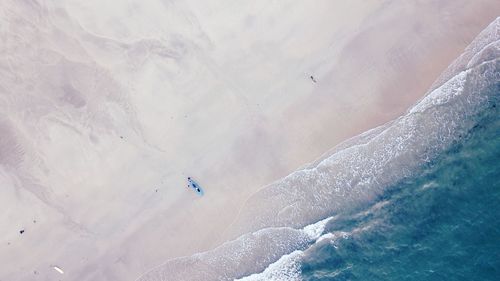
(218, 91)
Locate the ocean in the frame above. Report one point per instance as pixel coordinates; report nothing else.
(443, 224)
(415, 199)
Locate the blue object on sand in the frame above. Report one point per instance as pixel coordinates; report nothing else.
(194, 185)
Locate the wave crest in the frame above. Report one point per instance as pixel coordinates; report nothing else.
(271, 223)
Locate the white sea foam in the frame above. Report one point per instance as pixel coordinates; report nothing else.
(316, 229)
(361, 171)
(443, 94)
(287, 268)
(276, 219)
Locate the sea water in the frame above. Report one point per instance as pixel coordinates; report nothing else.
(439, 221)
(414, 199)
(443, 224)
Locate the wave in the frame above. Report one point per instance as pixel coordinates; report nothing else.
(272, 227)
(287, 268)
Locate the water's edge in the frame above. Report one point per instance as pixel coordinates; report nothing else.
(272, 227)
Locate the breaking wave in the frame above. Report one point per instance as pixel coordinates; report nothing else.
(274, 227)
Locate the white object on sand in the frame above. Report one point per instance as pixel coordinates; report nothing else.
(58, 269)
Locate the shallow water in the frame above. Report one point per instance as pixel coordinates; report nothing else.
(441, 225)
(413, 199)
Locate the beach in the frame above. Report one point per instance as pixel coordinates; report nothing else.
(108, 107)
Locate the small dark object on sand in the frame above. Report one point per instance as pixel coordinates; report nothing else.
(21, 231)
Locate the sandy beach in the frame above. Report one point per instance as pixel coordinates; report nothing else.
(107, 108)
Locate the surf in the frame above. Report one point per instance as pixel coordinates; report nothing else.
(272, 225)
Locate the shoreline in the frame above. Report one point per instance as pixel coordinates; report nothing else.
(105, 118)
(466, 93)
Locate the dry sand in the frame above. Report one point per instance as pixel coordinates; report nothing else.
(107, 107)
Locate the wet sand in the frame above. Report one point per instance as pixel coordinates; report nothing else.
(108, 108)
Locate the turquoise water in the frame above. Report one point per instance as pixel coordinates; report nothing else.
(415, 199)
(442, 225)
